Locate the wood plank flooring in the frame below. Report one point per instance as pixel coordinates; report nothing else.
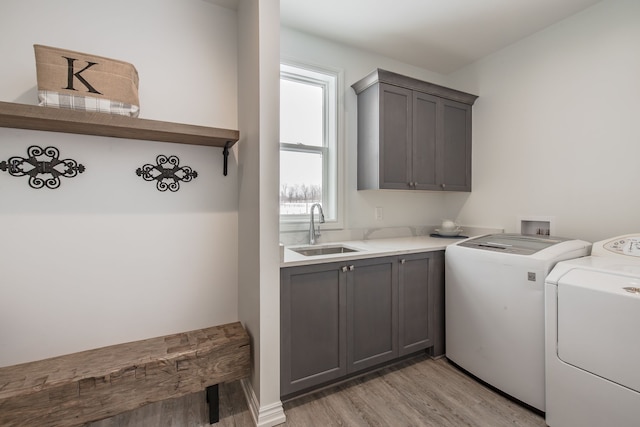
(416, 392)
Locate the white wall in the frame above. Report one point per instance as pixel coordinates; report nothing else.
(258, 268)
(400, 208)
(107, 258)
(555, 129)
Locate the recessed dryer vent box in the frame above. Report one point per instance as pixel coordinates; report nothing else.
(537, 225)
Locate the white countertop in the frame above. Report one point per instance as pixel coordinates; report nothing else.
(368, 249)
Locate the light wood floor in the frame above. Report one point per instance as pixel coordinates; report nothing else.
(417, 392)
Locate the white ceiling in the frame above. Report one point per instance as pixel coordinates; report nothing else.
(439, 35)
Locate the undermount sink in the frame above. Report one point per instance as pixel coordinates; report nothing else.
(323, 250)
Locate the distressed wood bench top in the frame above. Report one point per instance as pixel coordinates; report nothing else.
(161, 368)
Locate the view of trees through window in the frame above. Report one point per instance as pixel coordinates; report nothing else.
(298, 198)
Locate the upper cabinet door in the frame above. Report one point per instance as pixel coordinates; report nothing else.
(425, 152)
(396, 119)
(456, 146)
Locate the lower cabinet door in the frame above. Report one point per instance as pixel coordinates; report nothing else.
(415, 329)
(313, 326)
(372, 298)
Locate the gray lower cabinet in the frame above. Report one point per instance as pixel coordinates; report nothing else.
(420, 285)
(344, 317)
(412, 135)
(372, 312)
(313, 325)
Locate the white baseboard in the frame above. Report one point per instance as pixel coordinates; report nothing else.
(265, 416)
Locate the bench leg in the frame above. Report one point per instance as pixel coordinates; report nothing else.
(214, 404)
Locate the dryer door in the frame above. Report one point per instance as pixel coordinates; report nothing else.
(599, 325)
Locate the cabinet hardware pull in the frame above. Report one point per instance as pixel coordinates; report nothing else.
(344, 269)
(402, 261)
(351, 267)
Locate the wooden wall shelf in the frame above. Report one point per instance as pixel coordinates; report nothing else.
(23, 116)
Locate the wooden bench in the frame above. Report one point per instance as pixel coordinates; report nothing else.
(91, 385)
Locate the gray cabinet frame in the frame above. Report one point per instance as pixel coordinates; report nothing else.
(341, 318)
(420, 285)
(313, 315)
(372, 312)
(412, 135)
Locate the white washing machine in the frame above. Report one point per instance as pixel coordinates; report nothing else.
(494, 308)
(593, 337)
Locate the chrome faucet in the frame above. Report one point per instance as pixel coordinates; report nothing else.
(313, 234)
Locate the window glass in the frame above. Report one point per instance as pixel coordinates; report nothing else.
(301, 107)
(308, 143)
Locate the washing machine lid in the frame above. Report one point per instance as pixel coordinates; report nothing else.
(599, 323)
(512, 243)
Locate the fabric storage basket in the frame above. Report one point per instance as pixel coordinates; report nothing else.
(80, 81)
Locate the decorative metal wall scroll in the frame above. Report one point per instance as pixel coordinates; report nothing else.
(43, 167)
(167, 173)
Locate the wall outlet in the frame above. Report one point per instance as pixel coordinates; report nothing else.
(378, 213)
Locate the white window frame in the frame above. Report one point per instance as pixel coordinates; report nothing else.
(332, 148)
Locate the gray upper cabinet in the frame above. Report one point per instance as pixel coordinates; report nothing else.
(455, 151)
(412, 135)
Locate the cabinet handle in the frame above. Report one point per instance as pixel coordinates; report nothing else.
(443, 185)
(351, 267)
(402, 261)
(344, 269)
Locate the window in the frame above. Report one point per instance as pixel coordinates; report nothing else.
(308, 143)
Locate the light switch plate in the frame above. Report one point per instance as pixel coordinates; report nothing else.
(378, 213)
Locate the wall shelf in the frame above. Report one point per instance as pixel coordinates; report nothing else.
(34, 117)
(23, 116)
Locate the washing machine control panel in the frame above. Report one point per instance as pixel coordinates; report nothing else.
(623, 245)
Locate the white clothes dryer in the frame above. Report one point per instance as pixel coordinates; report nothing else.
(494, 308)
(592, 337)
